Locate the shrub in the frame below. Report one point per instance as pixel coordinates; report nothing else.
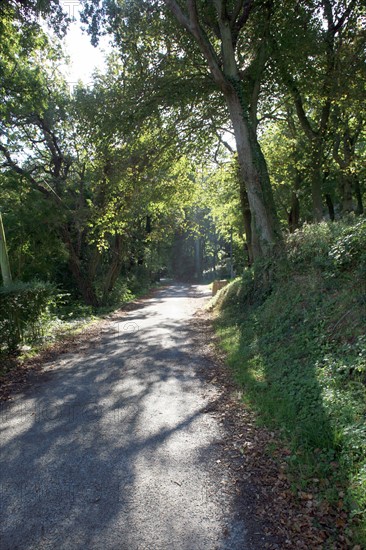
(119, 295)
(24, 313)
(309, 246)
(349, 250)
(138, 279)
(329, 246)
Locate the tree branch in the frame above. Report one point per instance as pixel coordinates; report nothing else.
(240, 23)
(10, 163)
(236, 12)
(191, 23)
(295, 93)
(339, 24)
(224, 142)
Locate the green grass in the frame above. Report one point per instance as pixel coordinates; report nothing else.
(298, 349)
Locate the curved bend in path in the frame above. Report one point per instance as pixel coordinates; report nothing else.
(109, 448)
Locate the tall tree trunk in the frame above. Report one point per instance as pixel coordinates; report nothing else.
(84, 284)
(358, 193)
(347, 193)
(329, 202)
(214, 256)
(317, 179)
(247, 217)
(294, 214)
(254, 173)
(197, 258)
(114, 269)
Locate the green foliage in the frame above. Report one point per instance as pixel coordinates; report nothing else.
(24, 313)
(332, 246)
(243, 291)
(349, 252)
(320, 106)
(311, 245)
(120, 294)
(28, 12)
(299, 351)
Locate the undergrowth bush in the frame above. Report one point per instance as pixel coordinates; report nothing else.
(120, 294)
(299, 351)
(139, 279)
(349, 250)
(24, 313)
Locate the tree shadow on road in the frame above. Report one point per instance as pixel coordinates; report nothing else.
(109, 448)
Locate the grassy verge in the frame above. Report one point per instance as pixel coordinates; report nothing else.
(298, 349)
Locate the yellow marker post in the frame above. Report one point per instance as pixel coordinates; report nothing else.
(4, 259)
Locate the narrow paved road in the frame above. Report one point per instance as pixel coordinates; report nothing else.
(110, 448)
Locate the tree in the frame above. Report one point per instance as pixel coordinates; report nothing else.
(308, 45)
(212, 36)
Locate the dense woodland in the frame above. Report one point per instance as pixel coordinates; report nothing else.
(225, 138)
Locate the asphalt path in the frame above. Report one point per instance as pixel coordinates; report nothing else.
(111, 447)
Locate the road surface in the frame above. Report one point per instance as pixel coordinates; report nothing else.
(110, 447)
